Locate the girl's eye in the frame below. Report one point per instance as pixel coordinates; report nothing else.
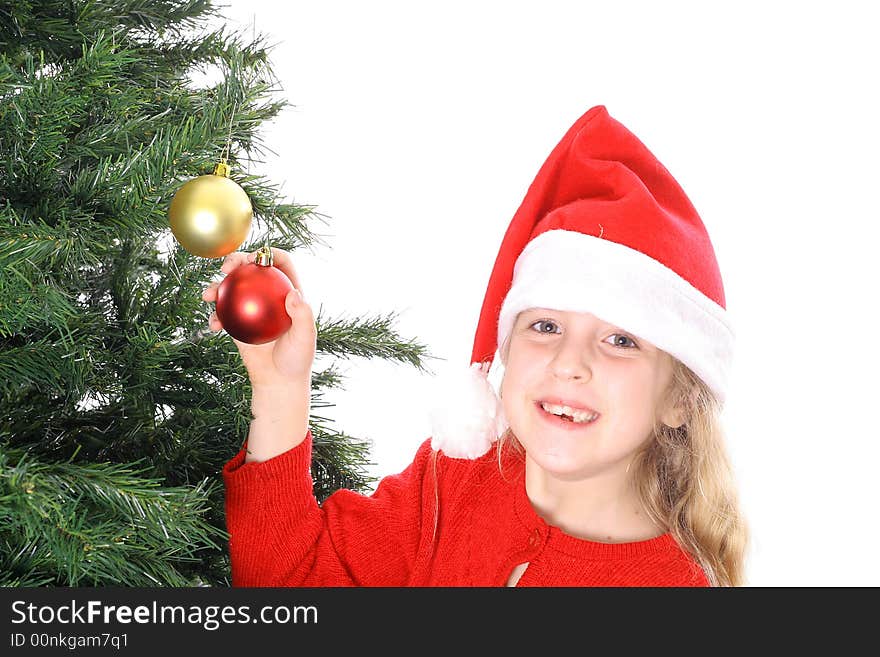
(543, 323)
(624, 341)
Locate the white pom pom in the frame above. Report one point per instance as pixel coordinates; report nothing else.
(467, 415)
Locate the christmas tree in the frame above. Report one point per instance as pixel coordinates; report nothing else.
(117, 407)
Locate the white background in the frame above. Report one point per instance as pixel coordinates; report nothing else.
(417, 128)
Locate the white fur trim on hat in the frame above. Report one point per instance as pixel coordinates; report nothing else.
(467, 416)
(576, 272)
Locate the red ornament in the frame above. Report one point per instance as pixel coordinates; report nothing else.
(250, 301)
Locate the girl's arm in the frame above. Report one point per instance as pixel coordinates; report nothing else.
(280, 536)
(280, 418)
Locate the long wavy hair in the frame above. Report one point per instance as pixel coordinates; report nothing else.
(685, 481)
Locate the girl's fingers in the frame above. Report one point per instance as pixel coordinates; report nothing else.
(230, 262)
(280, 258)
(284, 262)
(209, 294)
(214, 323)
(233, 260)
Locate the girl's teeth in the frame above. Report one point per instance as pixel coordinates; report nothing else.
(577, 416)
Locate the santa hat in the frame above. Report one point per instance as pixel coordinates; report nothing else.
(605, 229)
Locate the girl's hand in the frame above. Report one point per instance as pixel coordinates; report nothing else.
(288, 359)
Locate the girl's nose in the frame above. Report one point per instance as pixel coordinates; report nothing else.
(571, 362)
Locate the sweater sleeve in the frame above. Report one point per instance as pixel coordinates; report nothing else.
(280, 536)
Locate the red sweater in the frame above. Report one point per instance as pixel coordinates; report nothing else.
(440, 522)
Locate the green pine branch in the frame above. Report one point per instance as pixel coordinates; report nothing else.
(118, 408)
(372, 337)
(78, 524)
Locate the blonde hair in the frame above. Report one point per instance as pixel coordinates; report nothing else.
(685, 481)
(684, 478)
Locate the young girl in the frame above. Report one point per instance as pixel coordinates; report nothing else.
(606, 310)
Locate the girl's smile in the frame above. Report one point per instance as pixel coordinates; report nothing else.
(580, 394)
(566, 417)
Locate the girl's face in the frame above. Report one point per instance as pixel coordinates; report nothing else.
(578, 360)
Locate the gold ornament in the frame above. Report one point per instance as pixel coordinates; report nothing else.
(211, 215)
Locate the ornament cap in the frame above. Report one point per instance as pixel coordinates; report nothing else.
(263, 257)
(222, 169)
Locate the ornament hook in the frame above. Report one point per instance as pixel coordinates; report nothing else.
(264, 256)
(225, 155)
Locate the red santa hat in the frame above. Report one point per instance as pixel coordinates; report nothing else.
(604, 228)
